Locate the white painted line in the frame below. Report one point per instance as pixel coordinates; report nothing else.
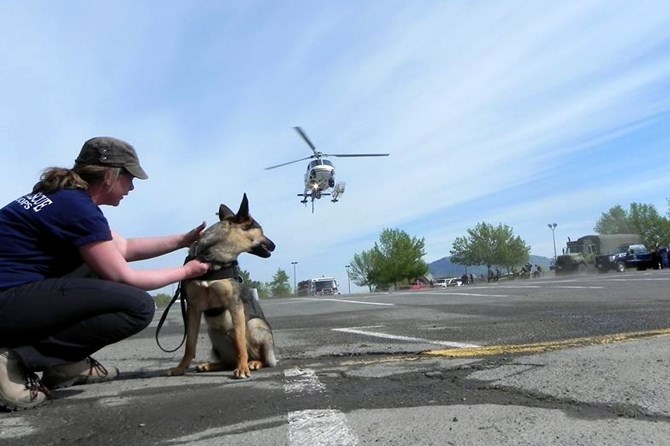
(114, 401)
(406, 338)
(323, 427)
(552, 287)
(474, 294)
(302, 381)
(519, 286)
(364, 303)
(567, 287)
(516, 287)
(317, 299)
(15, 427)
(640, 279)
(316, 427)
(366, 326)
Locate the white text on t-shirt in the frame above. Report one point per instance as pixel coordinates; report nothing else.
(36, 201)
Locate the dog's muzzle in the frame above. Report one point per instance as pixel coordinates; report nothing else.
(264, 249)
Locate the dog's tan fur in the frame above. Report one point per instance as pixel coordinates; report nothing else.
(240, 335)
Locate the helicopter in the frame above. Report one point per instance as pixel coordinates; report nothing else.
(320, 173)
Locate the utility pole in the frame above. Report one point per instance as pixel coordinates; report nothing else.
(552, 226)
(348, 277)
(295, 290)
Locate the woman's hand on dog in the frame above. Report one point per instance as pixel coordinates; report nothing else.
(195, 268)
(193, 235)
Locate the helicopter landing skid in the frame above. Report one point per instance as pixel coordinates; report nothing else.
(313, 197)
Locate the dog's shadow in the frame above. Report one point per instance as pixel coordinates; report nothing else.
(192, 377)
(191, 374)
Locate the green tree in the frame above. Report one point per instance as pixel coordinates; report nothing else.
(361, 269)
(280, 286)
(490, 245)
(397, 257)
(615, 221)
(261, 288)
(653, 227)
(162, 299)
(640, 218)
(512, 251)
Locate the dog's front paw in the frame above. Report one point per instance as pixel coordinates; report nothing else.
(255, 365)
(242, 372)
(203, 368)
(177, 371)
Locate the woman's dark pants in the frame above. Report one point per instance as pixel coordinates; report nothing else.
(59, 321)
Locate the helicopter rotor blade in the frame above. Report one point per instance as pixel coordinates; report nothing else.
(290, 162)
(309, 143)
(351, 155)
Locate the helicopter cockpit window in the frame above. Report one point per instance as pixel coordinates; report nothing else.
(327, 163)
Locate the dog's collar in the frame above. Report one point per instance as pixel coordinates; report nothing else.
(220, 270)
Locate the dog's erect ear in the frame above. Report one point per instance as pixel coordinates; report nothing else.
(243, 211)
(224, 211)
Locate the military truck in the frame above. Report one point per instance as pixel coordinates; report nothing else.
(580, 255)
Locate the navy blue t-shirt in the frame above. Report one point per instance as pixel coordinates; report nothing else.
(40, 235)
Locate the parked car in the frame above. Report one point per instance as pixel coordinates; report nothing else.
(448, 282)
(624, 257)
(454, 281)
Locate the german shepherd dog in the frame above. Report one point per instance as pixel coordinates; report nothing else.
(240, 335)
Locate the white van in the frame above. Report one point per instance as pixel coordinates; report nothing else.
(448, 282)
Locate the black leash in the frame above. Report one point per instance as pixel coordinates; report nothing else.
(225, 271)
(177, 295)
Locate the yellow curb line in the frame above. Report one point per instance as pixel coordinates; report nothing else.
(403, 358)
(496, 350)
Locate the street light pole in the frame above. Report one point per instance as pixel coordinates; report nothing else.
(348, 277)
(295, 290)
(552, 226)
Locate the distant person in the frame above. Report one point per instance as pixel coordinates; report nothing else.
(522, 272)
(529, 270)
(472, 278)
(464, 279)
(665, 258)
(497, 276)
(53, 315)
(655, 258)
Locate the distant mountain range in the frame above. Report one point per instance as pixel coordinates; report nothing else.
(445, 268)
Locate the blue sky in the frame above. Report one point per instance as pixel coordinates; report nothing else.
(514, 112)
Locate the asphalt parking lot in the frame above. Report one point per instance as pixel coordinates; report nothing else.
(346, 388)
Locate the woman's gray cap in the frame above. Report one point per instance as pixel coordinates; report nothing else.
(112, 152)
